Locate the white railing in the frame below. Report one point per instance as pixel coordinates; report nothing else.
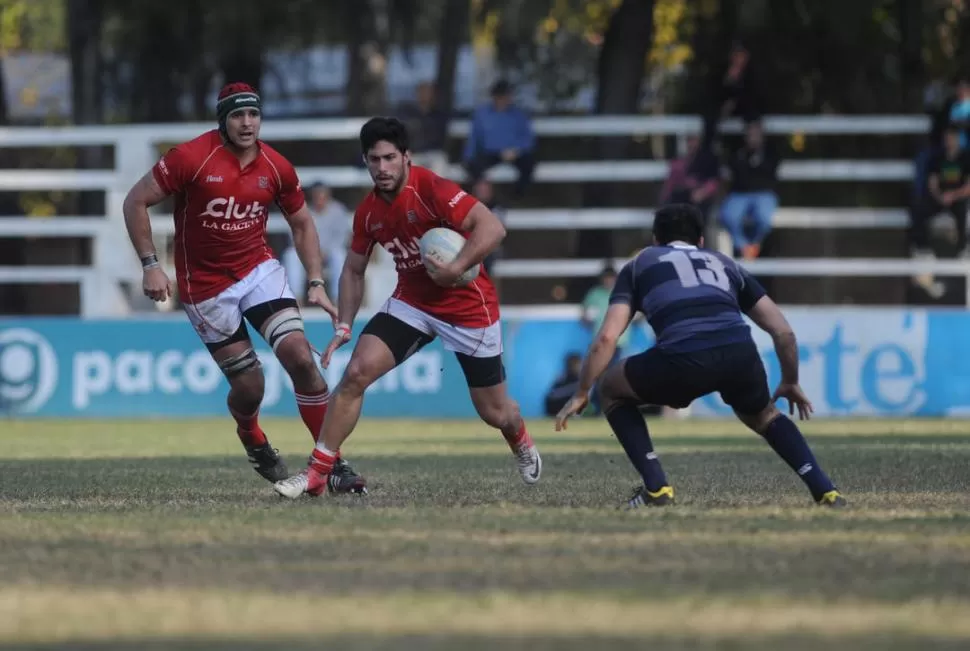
(136, 150)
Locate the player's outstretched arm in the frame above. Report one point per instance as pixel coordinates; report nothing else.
(144, 194)
(603, 347)
(767, 315)
(306, 241)
(349, 299)
(601, 351)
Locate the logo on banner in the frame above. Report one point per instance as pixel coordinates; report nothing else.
(28, 370)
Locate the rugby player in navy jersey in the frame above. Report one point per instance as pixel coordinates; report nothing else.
(694, 300)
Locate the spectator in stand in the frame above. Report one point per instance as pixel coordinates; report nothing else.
(428, 127)
(565, 385)
(752, 200)
(334, 223)
(484, 191)
(960, 110)
(693, 178)
(501, 132)
(740, 92)
(948, 187)
(739, 95)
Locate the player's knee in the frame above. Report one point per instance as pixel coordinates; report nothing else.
(358, 375)
(247, 388)
(760, 421)
(494, 408)
(495, 414)
(299, 364)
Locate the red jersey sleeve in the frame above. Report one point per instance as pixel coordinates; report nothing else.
(361, 242)
(174, 170)
(451, 202)
(290, 196)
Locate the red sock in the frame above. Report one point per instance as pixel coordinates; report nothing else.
(248, 429)
(323, 460)
(519, 438)
(313, 409)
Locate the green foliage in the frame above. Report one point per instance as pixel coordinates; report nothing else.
(32, 26)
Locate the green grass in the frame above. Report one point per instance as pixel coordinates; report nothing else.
(157, 535)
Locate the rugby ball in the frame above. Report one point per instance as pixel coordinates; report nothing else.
(443, 245)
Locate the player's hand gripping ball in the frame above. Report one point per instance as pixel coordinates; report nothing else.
(439, 248)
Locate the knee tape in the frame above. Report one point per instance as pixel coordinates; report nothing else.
(281, 325)
(239, 364)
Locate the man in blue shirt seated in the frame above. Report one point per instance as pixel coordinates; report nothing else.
(501, 132)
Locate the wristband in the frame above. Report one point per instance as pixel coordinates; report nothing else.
(149, 261)
(342, 330)
(316, 282)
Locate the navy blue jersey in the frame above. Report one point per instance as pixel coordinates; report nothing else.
(693, 298)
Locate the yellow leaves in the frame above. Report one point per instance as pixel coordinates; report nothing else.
(483, 33)
(670, 48)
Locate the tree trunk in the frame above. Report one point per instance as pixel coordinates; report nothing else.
(454, 32)
(366, 51)
(912, 71)
(621, 69)
(87, 65)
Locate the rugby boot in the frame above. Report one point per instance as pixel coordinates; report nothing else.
(266, 461)
(344, 479)
(311, 481)
(528, 461)
(833, 500)
(642, 497)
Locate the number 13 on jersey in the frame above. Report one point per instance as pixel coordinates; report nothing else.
(712, 273)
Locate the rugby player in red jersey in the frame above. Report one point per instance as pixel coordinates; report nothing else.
(223, 183)
(405, 203)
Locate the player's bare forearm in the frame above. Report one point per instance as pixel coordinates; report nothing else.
(767, 315)
(306, 241)
(485, 233)
(603, 348)
(786, 347)
(144, 194)
(598, 357)
(351, 287)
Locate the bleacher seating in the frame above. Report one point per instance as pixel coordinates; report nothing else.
(136, 148)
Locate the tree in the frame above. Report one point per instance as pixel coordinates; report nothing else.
(620, 72)
(452, 34)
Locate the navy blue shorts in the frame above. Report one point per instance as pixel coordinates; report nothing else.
(677, 379)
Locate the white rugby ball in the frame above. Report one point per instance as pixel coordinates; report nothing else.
(443, 245)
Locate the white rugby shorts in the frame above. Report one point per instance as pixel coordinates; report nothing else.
(217, 318)
(474, 342)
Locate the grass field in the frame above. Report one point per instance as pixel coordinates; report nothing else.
(158, 535)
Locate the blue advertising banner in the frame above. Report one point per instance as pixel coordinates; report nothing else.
(854, 361)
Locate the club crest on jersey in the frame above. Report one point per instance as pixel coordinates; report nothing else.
(412, 217)
(263, 182)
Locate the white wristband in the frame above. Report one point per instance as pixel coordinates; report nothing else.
(342, 329)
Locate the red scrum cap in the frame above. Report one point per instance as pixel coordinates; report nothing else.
(234, 97)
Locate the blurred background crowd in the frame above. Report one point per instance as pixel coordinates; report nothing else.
(727, 74)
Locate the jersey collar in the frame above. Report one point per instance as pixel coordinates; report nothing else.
(677, 244)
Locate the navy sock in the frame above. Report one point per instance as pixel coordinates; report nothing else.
(630, 427)
(787, 441)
